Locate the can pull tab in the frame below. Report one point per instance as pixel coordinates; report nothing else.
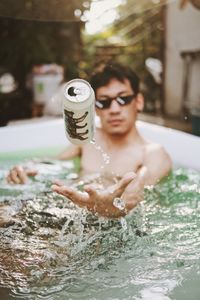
(72, 91)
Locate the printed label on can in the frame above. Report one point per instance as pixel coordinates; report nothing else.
(76, 126)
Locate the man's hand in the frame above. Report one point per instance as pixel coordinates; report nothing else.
(19, 175)
(99, 201)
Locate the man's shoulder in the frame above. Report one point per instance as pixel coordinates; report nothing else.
(155, 150)
(152, 146)
(157, 160)
(157, 153)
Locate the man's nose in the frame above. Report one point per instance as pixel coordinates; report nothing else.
(115, 106)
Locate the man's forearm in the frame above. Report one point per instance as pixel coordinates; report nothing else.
(70, 153)
(133, 194)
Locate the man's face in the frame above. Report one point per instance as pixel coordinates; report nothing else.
(118, 119)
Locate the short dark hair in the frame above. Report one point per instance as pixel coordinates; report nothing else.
(107, 71)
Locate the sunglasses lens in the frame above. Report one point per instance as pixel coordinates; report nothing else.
(103, 104)
(125, 100)
(122, 100)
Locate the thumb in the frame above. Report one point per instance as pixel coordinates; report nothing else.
(30, 172)
(57, 182)
(123, 183)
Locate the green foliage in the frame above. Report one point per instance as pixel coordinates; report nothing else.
(138, 32)
(39, 32)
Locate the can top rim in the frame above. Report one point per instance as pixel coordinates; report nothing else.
(80, 90)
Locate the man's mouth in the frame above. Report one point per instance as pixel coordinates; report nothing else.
(115, 122)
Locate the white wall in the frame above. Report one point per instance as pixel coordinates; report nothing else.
(182, 34)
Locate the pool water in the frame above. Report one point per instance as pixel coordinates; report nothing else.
(50, 249)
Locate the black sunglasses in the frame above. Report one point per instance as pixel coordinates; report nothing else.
(121, 100)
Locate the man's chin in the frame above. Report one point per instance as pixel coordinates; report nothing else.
(117, 131)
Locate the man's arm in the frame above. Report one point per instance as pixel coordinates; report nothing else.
(158, 163)
(19, 174)
(96, 200)
(71, 152)
(129, 190)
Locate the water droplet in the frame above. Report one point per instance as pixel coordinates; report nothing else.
(119, 203)
(72, 176)
(92, 141)
(106, 158)
(123, 223)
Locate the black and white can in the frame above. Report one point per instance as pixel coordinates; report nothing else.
(79, 112)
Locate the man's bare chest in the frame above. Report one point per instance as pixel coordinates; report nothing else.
(117, 161)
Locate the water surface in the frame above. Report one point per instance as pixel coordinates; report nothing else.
(50, 249)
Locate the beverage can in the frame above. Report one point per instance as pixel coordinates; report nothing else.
(78, 111)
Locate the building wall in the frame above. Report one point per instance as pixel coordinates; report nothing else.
(182, 34)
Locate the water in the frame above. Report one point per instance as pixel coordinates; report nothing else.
(52, 250)
(105, 156)
(119, 203)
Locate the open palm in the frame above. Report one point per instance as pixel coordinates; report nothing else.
(97, 201)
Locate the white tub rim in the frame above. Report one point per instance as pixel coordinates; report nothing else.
(183, 148)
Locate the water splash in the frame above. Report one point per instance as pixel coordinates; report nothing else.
(105, 156)
(119, 203)
(124, 223)
(54, 250)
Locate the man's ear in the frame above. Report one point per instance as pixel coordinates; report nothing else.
(139, 102)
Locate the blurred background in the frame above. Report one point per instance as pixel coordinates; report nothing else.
(45, 43)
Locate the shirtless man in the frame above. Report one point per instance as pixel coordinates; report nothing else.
(136, 161)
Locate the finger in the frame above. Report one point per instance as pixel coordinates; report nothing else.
(61, 189)
(14, 176)
(58, 182)
(9, 180)
(21, 174)
(77, 197)
(30, 172)
(91, 191)
(123, 183)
